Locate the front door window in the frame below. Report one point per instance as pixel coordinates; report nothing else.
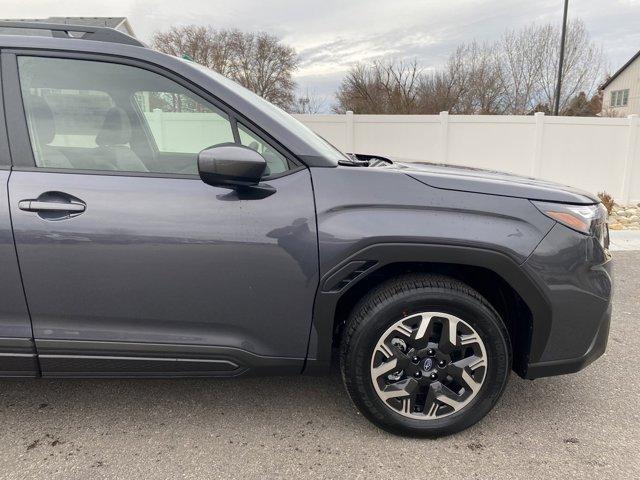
(91, 115)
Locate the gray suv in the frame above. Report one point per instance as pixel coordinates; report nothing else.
(159, 220)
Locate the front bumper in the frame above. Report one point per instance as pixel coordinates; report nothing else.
(574, 273)
(572, 365)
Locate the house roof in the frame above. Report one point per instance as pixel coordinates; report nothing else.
(111, 22)
(622, 69)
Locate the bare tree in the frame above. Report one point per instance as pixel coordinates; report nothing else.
(359, 92)
(204, 45)
(472, 77)
(485, 90)
(265, 66)
(437, 93)
(521, 59)
(529, 66)
(258, 61)
(515, 75)
(470, 83)
(384, 87)
(444, 90)
(583, 63)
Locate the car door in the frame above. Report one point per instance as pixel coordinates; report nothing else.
(130, 263)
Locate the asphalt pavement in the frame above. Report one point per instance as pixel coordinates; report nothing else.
(585, 425)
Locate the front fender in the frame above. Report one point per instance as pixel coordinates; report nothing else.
(373, 257)
(372, 217)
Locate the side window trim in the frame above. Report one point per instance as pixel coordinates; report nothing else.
(234, 129)
(17, 130)
(18, 133)
(5, 156)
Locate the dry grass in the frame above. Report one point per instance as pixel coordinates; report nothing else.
(607, 201)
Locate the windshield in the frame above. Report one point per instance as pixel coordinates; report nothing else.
(298, 128)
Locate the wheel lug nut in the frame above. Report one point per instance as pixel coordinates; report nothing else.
(441, 363)
(433, 376)
(417, 374)
(399, 344)
(415, 359)
(430, 352)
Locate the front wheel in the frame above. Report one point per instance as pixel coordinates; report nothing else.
(425, 355)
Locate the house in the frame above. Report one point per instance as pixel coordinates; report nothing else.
(621, 92)
(119, 23)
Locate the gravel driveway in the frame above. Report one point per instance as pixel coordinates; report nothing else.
(578, 426)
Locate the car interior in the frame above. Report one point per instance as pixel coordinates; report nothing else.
(89, 115)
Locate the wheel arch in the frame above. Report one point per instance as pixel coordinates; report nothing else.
(343, 285)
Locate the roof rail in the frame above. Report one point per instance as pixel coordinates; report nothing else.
(62, 30)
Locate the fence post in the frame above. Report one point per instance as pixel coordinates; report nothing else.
(444, 137)
(536, 167)
(350, 147)
(630, 157)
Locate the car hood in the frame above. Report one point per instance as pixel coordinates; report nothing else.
(476, 180)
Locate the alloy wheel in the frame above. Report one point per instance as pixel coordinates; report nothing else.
(428, 365)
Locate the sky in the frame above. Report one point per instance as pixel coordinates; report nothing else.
(332, 35)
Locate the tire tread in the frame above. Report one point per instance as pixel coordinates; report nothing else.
(394, 288)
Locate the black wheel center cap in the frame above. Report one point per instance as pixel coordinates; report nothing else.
(428, 364)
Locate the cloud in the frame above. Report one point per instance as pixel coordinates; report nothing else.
(332, 35)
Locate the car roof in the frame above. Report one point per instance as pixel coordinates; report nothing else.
(270, 124)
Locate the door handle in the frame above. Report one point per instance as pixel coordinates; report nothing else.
(40, 206)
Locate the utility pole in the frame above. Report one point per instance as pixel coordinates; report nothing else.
(556, 107)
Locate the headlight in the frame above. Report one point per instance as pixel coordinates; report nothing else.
(587, 219)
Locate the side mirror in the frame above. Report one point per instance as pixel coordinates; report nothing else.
(231, 165)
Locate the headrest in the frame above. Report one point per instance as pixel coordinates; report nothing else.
(41, 116)
(116, 129)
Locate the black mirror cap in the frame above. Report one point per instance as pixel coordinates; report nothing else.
(230, 164)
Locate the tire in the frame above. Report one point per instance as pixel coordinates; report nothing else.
(451, 386)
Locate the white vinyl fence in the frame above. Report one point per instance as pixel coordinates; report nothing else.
(595, 154)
